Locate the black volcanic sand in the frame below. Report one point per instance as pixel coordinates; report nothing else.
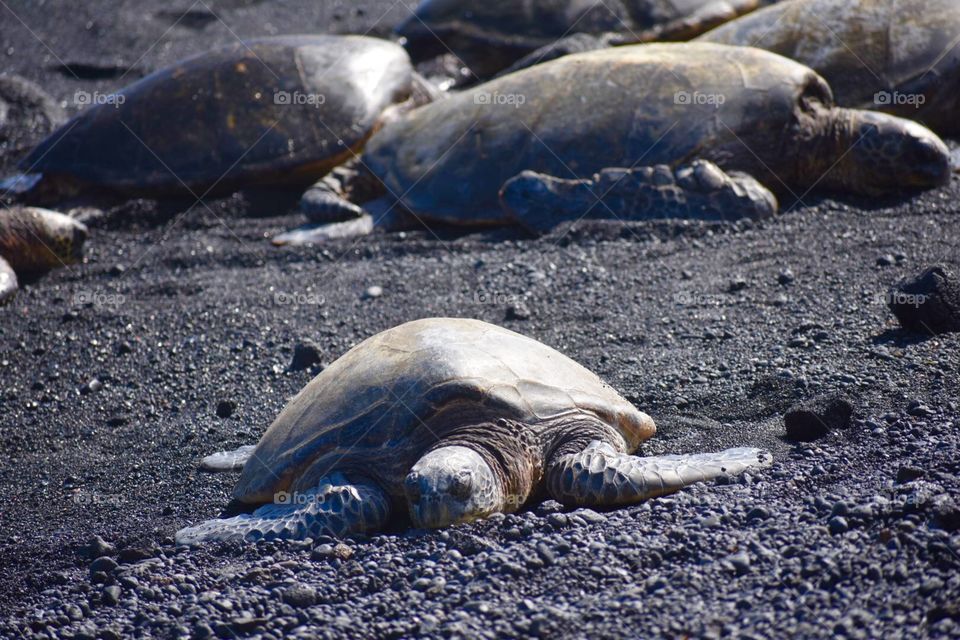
(112, 373)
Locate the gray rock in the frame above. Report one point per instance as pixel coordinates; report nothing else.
(838, 524)
(98, 547)
(103, 564)
(111, 595)
(518, 311)
(300, 596)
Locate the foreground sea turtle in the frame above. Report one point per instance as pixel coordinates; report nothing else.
(32, 242)
(744, 109)
(490, 36)
(281, 110)
(897, 57)
(450, 420)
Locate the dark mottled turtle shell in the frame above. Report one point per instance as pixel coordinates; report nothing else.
(897, 57)
(381, 406)
(274, 110)
(572, 117)
(491, 35)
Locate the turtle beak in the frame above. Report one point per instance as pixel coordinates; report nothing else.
(930, 159)
(888, 154)
(80, 234)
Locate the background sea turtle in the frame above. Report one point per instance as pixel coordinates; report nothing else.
(490, 36)
(274, 110)
(450, 420)
(897, 57)
(33, 241)
(744, 109)
(27, 114)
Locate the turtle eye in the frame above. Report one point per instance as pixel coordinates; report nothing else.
(461, 486)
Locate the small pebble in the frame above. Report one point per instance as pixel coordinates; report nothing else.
(372, 292)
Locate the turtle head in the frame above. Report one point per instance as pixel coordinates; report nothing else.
(449, 485)
(69, 237)
(880, 154)
(59, 234)
(42, 239)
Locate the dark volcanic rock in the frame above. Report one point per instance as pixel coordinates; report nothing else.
(226, 408)
(103, 564)
(814, 418)
(306, 354)
(929, 303)
(99, 547)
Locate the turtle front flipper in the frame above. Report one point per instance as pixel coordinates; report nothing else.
(699, 190)
(8, 282)
(338, 507)
(602, 476)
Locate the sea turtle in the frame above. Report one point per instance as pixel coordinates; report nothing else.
(450, 420)
(489, 36)
(278, 110)
(27, 114)
(34, 241)
(744, 109)
(893, 56)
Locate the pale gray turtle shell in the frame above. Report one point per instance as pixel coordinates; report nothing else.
(572, 117)
(865, 47)
(384, 403)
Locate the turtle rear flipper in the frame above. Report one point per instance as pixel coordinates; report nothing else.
(228, 460)
(699, 190)
(8, 282)
(320, 233)
(338, 507)
(332, 198)
(602, 476)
